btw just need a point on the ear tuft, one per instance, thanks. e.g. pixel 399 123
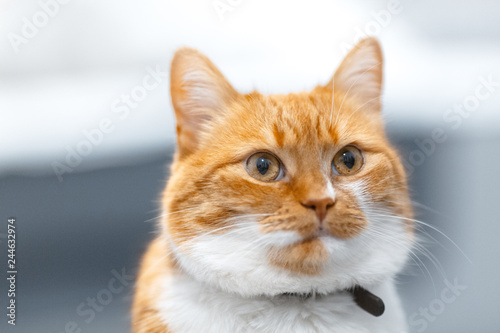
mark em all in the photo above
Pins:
pixel 199 93
pixel 359 76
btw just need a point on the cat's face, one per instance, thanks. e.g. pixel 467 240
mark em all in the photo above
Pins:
pixel 294 193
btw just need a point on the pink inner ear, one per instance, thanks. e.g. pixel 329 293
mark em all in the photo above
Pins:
pixel 199 92
pixel 359 76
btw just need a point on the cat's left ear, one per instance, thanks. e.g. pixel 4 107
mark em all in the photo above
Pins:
pixel 359 76
pixel 199 94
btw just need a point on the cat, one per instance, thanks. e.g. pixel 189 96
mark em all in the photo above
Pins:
pixel 283 213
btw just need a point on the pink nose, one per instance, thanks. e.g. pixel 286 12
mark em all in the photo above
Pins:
pixel 320 206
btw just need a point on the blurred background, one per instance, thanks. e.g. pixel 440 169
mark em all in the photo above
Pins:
pixel 87 133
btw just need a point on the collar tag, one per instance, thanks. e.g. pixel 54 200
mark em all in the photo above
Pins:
pixel 368 301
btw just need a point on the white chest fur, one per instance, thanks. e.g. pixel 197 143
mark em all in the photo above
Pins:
pixel 189 306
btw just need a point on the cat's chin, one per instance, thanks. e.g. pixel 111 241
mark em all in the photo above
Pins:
pixel 276 284
pixel 252 275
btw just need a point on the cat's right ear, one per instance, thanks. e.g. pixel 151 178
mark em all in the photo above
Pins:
pixel 199 93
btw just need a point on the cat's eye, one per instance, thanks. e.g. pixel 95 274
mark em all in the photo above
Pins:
pixel 347 161
pixel 264 166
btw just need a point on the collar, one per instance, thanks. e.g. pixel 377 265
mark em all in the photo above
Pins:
pixel 363 298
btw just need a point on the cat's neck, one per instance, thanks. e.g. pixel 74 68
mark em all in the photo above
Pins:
pixel 184 298
pixel 365 299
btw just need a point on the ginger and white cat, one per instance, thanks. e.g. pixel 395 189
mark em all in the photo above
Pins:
pixel 277 207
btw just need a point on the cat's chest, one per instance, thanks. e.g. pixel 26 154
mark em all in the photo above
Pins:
pixel 187 306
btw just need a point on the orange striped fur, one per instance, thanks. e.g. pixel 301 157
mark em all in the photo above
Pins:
pixel 210 188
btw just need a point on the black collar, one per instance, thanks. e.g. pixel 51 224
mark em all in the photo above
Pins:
pixel 363 298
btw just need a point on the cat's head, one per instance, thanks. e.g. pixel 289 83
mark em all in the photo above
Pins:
pixel 285 193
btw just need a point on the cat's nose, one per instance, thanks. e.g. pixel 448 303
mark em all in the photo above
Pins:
pixel 320 206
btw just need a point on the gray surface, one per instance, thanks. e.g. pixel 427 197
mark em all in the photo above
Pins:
pixel 71 235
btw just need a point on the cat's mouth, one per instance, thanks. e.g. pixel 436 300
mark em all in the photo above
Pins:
pixel 321 232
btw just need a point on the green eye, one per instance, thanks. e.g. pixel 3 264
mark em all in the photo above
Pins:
pixel 263 166
pixel 347 161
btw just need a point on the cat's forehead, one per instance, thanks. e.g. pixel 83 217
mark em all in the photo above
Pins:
pixel 303 119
